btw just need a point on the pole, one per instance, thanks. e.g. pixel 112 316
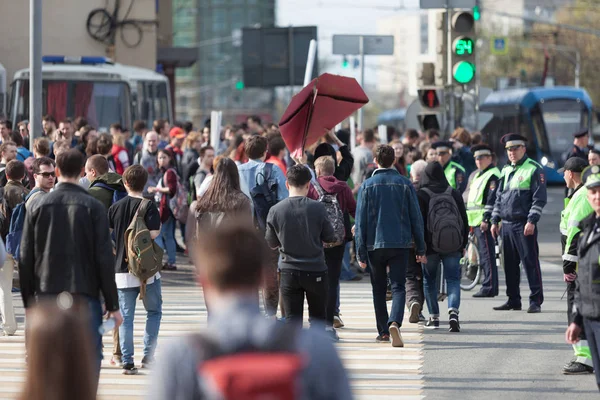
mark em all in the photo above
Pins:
pixel 450 91
pixel 362 78
pixel 352 133
pixel 291 59
pixel 310 61
pixel 477 82
pixel 35 70
pixel 577 67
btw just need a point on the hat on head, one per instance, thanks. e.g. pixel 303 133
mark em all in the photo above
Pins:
pixel 591 176
pixel 513 139
pixel 581 133
pixel 481 150
pixel 177 132
pixel 442 146
pixel 574 164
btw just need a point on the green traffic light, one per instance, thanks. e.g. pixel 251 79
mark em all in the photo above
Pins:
pixel 239 85
pixel 476 13
pixel 463 72
pixel 345 63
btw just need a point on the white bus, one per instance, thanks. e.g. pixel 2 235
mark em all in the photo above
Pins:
pixel 95 88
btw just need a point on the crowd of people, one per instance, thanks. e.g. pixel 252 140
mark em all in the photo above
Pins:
pixel 87 218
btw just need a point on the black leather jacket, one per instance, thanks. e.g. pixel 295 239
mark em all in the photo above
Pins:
pixel 66 246
pixel 587 290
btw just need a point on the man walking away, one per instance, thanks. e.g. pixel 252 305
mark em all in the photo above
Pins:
pixel 106 186
pixel 266 183
pixel 299 226
pixel 120 216
pixel 14 194
pixel 233 257
pixel 388 220
pixel 66 247
pixel 337 195
pixel 363 156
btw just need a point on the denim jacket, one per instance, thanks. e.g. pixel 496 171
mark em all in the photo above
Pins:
pixel 388 214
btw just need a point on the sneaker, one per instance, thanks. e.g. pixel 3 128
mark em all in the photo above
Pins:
pixel 332 334
pixel 385 338
pixel 395 335
pixel 453 321
pixel 422 317
pixel 129 369
pixel 356 278
pixel 116 361
pixel 337 322
pixel 147 362
pixel 169 267
pixel 577 368
pixel 415 310
pixel 433 323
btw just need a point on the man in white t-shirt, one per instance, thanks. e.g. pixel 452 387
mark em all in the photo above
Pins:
pixel 120 216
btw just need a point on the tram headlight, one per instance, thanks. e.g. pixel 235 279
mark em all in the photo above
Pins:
pixel 544 161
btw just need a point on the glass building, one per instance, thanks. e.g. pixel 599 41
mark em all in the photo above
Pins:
pixel 215 82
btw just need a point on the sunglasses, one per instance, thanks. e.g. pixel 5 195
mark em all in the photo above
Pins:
pixel 47 174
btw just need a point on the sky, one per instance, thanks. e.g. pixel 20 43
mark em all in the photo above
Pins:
pixel 341 17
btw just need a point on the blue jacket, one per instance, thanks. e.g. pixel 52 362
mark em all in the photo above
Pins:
pixel 249 171
pixel 521 193
pixel 388 214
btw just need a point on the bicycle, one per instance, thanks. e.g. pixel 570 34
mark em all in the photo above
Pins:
pixel 471 271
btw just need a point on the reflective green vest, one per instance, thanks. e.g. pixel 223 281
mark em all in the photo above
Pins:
pixel 476 202
pixel 450 172
pixel 576 210
pixel 521 179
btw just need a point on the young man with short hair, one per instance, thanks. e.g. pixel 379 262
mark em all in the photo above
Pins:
pixel 103 182
pixel 298 227
pixel 8 152
pixel 66 247
pixel 232 258
pixel 44 176
pixel 120 216
pixel 66 132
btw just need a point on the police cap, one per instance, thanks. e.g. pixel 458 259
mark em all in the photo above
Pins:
pixel 442 146
pixel 574 164
pixel 513 139
pixel 591 176
pixel 581 133
pixel 481 150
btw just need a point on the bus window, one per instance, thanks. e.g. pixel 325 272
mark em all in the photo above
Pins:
pixel 161 103
pixel 101 103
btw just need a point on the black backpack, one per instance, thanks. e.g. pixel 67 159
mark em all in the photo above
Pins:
pixel 264 196
pixel 444 222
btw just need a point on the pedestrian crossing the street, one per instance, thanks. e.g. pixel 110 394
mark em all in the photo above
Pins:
pixel 377 371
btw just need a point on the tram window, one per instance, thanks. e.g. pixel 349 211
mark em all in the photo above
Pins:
pixel 562 118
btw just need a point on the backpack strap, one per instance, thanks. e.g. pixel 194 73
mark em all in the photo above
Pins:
pixel 449 190
pixel 103 186
pixel 142 209
pixel 265 173
pixel 319 188
pixel 428 191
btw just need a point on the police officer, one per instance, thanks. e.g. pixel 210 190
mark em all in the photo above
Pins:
pixel 455 173
pixel 520 198
pixel 577 208
pixel 480 204
pixel 580 146
pixel 587 285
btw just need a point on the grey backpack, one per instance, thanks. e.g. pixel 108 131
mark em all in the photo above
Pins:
pixel 444 222
pixel 334 215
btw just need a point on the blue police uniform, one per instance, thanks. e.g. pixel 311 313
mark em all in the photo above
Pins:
pixel 520 198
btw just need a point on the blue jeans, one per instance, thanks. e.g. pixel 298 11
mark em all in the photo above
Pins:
pixel 166 238
pixel 347 273
pixel 95 315
pixel 153 305
pixel 397 260
pixel 451 274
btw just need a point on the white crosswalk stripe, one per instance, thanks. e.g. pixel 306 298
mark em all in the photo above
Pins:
pixel 377 371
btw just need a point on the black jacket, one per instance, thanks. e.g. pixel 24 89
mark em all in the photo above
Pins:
pixel 342 171
pixel 587 290
pixel 433 178
pixel 189 165
pixel 66 246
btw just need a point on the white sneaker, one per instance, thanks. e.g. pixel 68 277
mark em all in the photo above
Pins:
pixel 337 322
pixel 395 335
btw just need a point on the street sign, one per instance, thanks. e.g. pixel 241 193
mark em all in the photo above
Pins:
pixel 425 4
pixel 499 45
pixel 374 45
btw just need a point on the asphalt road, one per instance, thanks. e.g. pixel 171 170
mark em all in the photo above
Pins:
pixel 509 354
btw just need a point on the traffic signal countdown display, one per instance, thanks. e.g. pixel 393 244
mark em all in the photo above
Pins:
pixel 463 47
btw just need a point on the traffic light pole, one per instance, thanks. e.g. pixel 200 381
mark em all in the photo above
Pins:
pixel 35 70
pixel 449 83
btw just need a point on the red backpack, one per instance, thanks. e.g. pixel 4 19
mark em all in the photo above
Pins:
pixel 272 371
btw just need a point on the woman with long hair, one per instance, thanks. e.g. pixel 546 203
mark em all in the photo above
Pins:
pixel 60 362
pixel 399 163
pixel 224 196
pixel 164 191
